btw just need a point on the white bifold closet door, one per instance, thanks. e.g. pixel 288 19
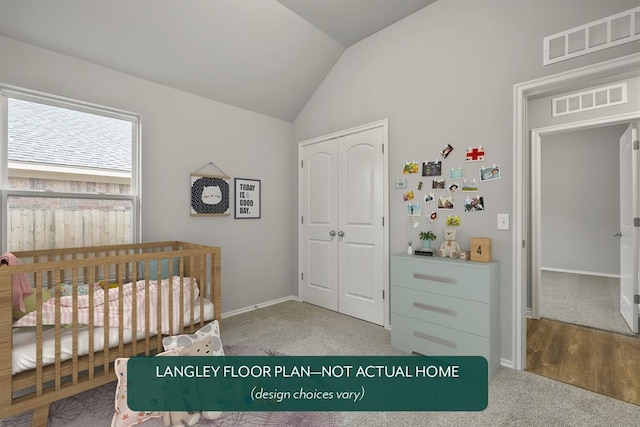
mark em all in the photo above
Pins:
pixel 342 248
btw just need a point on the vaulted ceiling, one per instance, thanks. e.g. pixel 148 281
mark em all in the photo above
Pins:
pixel 267 56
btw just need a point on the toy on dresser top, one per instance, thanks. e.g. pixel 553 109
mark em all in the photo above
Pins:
pixel 449 248
pixel 480 247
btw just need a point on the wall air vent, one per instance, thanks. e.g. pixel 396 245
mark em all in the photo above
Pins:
pixel 589 100
pixel 623 27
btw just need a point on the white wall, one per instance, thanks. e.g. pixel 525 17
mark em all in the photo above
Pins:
pixel 181 133
pixel 580 197
pixel 445 75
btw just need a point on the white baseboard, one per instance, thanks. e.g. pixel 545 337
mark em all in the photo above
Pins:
pixel 588 273
pixel 507 363
pixel 261 305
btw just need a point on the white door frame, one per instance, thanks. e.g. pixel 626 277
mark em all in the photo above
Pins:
pixel 385 125
pixel 626 66
pixel 536 193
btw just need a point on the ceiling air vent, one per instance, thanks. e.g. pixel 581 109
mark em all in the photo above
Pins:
pixel 612 31
pixel 590 99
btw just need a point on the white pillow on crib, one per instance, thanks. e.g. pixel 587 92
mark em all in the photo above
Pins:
pixel 186 340
pixel 124 416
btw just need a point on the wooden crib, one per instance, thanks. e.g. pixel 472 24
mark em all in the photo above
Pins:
pixel 89 349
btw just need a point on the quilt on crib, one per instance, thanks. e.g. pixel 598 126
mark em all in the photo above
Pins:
pixel 171 307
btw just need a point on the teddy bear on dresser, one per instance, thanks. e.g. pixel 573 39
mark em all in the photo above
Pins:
pixel 449 248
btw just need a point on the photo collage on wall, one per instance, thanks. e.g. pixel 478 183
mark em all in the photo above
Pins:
pixel 448 184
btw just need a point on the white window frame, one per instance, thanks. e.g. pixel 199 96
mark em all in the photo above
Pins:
pixel 134 197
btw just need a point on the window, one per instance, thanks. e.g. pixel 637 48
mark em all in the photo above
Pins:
pixel 69 173
pixel 614 30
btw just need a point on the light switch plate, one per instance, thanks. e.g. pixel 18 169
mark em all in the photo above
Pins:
pixel 503 221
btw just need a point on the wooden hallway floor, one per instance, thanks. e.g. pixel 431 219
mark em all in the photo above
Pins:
pixel 604 362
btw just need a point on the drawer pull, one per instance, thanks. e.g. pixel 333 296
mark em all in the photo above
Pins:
pixel 436 340
pixel 434 278
pixel 446 311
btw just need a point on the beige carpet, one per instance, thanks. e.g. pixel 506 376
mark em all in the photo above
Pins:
pixel 582 299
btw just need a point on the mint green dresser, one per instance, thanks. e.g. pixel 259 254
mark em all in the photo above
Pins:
pixel 446 307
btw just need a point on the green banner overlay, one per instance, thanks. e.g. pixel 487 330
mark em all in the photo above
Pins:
pixel 308 383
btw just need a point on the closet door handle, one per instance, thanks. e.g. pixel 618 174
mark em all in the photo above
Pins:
pixel 332 233
pixel 341 233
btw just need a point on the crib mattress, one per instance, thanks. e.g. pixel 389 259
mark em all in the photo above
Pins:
pixel 24 345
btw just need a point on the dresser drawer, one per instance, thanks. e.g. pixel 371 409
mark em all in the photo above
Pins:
pixel 455 313
pixel 463 279
pixel 426 338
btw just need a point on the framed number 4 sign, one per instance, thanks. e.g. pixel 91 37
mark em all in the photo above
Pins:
pixel 247 198
pixel 481 249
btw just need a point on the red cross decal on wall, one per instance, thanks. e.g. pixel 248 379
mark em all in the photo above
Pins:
pixel 474 154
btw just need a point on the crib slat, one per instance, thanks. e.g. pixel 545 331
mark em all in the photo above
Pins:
pixel 121 310
pixel 171 302
pixel 91 280
pixel 181 267
pixel 146 309
pixel 105 293
pixel 74 326
pixel 202 282
pixel 216 267
pixel 134 310
pixel 57 291
pixel 158 304
pixel 192 270
pixel 38 291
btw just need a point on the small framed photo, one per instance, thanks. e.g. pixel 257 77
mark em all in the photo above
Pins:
pixel 475 154
pixel 446 203
pixel 454 188
pixel 470 185
pixel 433 216
pixel 429 198
pixel 432 168
pixel 401 183
pixel 446 151
pixel 414 209
pixel 456 173
pixel 474 204
pixel 489 173
pixel 410 167
pixel 247 198
pixel 438 184
pixel 453 220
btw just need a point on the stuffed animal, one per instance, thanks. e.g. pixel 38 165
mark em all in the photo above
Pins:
pixel 211 415
pixel 177 418
pixel 449 248
pixel 203 347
